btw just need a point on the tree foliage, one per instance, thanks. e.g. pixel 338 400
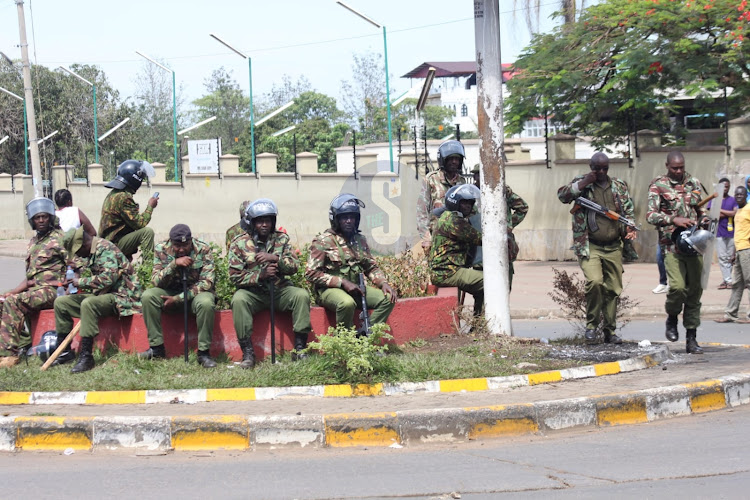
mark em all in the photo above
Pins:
pixel 619 67
pixel 225 101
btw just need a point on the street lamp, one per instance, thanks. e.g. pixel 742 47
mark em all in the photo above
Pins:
pixel 174 109
pixel 274 113
pixel 96 131
pixel 387 85
pixel 207 120
pixel 25 128
pixel 252 114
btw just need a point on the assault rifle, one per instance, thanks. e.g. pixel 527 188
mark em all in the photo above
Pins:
pixel 364 328
pixel 595 208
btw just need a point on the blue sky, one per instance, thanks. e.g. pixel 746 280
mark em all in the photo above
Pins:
pixel 314 38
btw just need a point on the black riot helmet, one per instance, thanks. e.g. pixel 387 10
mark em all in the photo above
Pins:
pixel 130 174
pixel 46 346
pixel 458 193
pixel 344 204
pixel 450 148
pixel 691 240
pixel 39 205
pixel 260 208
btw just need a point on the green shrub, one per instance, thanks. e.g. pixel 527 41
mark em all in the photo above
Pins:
pixel 407 274
pixel 353 358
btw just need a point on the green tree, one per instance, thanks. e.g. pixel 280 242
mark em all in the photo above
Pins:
pixel 618 67
pixel 225 101
pixel 438 120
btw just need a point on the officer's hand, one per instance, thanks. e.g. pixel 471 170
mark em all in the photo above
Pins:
pixel 426 244
pixel 350 288
pixel 152 202
pixel 269 271
pixel 589 178
pixel 183 261
pixel 683 222
pixel 631 234
pixel 265 257
pixel 169 301
pixel 390 292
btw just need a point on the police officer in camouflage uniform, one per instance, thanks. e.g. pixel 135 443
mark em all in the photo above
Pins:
pixel 107 291
pixel 450 159
pixel 239 228
pixel 181 254
pixel 598 243
pixel 258 258
pixel 121 222
pixel 45 268
pixel 672 206
pixel 452 239
pixel 337 256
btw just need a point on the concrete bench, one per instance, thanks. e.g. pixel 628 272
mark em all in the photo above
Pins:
pixel 423 317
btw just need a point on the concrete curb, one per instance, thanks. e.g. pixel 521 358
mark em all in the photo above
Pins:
pixel 333 391
pixel 643 312
pixel 396 429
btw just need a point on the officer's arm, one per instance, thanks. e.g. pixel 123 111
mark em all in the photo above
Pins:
pixel 244 271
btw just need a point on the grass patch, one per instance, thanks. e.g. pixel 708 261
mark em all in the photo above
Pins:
pixel 451 357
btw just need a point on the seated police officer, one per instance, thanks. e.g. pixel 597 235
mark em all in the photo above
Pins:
pixel 337 256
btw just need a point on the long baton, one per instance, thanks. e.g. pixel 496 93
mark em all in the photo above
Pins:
pixel 185 309
pixel 272 290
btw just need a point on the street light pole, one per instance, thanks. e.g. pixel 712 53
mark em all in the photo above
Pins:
pixel 174 110
pixel 252 114
pixel 96 131
pixel 387 84
pixel 25 128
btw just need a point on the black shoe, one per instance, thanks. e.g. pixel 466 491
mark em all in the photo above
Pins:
pixel 691 344
pixel 300 343
pixel 672 333
pixel 248 355
pixel 205 360
pixel 153 352
pixel 590 336
pixel 67 356
pixel 612 338
pixel 85 358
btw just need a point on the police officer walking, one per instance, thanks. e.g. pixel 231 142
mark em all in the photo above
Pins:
pixel 121 222
pixel 258 258
pixel 181 255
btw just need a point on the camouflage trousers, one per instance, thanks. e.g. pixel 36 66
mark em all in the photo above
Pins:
pixel 142 239
pixel 248 301
pixel 87 307
pixel 202 306
pixel 16 310
pixel 343 304
pixel 685 291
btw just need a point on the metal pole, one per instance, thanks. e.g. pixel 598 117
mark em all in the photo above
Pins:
pixel 354 152
pixel 252 114
pixel 491 138
pixel 388 99
pixel 726 124
pixel 96 129
pixel 36 169
pixel 416 155
pixel 174 124
pixel 546 139
pixel 25 139
pixel 294 150
pixel 185 309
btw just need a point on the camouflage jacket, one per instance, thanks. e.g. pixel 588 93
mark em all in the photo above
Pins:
pixel 432 196
pixel 120 215
pixel 111 273
pixel 623 204
pixel 46 259
pixel 232 233
pixel 668 199
pixel 332 258
pixel 517 208
pixel 244 271
pixel 168 275
pixel 452 240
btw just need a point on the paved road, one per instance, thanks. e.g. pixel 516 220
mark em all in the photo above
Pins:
pixel 700 456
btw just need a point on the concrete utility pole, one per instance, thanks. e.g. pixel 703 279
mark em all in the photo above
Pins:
pixel 492 174
pixel 28 94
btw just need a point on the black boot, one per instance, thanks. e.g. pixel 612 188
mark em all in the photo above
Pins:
pixel 691 344
pixel 67 355
pixel 85 357
pixel 153 352
pixel 300 342
pixel 612 338
pixel 248 355
pixel 590 336
pixel 205 360
pixel 672 333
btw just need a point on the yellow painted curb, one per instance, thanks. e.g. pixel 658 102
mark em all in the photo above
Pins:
pixel 708 396
pixel 544 377
pixel 244 394
pixel 464 384
pixel 607 368
pixel 504 427
pixel 354 429
pixel 626 411
pixel 214 432
pixel 54 433
pixel 14 398
pixel 115 397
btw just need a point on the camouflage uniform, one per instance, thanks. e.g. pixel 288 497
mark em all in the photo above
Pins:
pixel 333 258
pixel 109 291
pixel 432 196
pixel 167 280
pixel 123 225
pixel 452 239
pixel 45 266
pixel 253 295
pixel 600 261
pixel 668 199
pixel 232 233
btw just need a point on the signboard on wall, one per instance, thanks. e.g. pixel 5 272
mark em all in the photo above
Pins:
pixel 203 156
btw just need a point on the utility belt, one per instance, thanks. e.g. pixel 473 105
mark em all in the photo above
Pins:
pixel 613 242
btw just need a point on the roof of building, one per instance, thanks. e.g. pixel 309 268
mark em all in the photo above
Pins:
pixel 453 68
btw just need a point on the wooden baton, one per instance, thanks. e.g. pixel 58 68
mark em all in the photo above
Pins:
pixel 61 347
